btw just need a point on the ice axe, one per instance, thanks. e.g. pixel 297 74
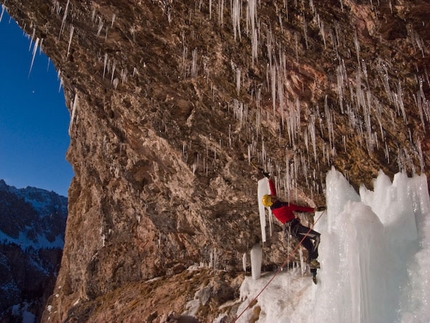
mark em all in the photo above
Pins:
pixel 265 174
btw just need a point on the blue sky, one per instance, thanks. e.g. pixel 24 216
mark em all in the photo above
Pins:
pixel 33 117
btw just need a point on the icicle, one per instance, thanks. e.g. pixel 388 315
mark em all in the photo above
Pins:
pixel 100 27
pixel 135 71
pixel 311 130
pixel 252 17
pixel 61 81
pixel 36 44
pixel 329 120
pixel 194 67
pixel 273 86
pixel 311 4
pixel 425 104
pixel 383 73
pixel 221 12
pixel 213 262
pixel 113 71
pixel 281 82
pixel 106 34
pixel 115 83
pixel 418 102
pixel 305 32
pixel 363 66
pixel 72 117
pixel 306 141
pixel 263 188
pixel 335 45
pixel 184 58
pixel 60 86
pixel 41 47
pixel 103 237
pixel 419 42
pixel 123 75
pixel 420 154
pixel 48 64
pixel 70 39
pixel 64 18
pixel 297 118
pixel 398 99
pixel 322 32
pixel 254 41
pixel 258 120
pixel 229 135
pixel 57 7
pixel 341 78
pixel 368 122
pixel 105 65
pixel 256 261
pixel 357 46
pixel 263 152
pixel 287 175
pixel 244 261
pixel 337 31
pixel 238 75
pixel 235 16
pixel 2 11
pixel 113 20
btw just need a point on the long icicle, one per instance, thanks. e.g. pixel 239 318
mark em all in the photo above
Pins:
pixel 36 45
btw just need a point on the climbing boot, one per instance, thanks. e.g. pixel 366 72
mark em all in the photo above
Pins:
pixel 314 264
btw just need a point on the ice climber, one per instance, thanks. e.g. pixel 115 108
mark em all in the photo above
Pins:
pixel 284 212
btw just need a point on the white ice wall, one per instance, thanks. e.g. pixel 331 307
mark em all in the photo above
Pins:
pixel 374 254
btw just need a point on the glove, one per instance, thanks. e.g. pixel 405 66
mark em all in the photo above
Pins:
pixel 266 174
pixel 321 208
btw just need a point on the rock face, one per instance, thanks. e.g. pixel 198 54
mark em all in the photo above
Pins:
pixel 32 226
pixel 170 100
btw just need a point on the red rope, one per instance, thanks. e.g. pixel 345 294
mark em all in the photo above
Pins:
pixel 277 272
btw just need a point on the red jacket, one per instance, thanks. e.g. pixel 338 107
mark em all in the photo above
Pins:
pixel 283 211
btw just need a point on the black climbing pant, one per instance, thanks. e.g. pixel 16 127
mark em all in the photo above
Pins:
pixel 310 238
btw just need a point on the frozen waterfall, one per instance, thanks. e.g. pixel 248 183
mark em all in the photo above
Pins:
pixel 374 254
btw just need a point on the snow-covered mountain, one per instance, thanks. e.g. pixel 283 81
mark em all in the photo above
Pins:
pixel 32 226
